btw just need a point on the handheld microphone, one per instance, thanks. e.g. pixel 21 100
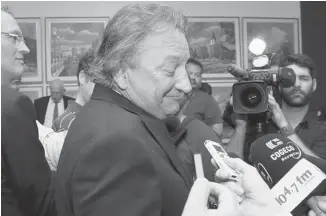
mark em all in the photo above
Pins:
pixel 293 176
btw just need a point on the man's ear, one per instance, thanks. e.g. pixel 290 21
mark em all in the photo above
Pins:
pixel 121 79
pixel 314 84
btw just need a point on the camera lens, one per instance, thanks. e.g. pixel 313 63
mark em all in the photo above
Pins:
pixel 251 96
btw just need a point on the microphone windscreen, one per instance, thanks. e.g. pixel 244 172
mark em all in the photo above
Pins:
pixel 237 71
pixel 274 155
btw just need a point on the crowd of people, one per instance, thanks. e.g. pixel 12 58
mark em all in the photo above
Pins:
pixel 125 144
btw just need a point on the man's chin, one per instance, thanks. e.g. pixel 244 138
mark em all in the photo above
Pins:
pixel 18 71
pixel 171 110
pixel 297 102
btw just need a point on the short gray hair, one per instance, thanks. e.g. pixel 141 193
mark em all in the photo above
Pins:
pixel 125 32
pixel 5 8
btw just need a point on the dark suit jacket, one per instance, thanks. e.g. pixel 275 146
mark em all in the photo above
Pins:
pixel 25 174
pixel 118 160
pixel 41 105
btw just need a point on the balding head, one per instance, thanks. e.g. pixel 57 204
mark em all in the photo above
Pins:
pixel 57 90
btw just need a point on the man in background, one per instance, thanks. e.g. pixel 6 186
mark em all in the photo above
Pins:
pixel 48 108
pixel 53 140
pixel 25 174
pixel 86 87
pixel 202 105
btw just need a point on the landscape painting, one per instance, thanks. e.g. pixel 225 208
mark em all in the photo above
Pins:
pixel 67 39
pixel 215 42
pixel 280 35
pixel 33 60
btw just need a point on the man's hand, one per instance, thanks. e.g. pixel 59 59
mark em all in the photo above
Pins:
pixel 199 195
pixel 321 203
pixel 278 116
pixel 256 198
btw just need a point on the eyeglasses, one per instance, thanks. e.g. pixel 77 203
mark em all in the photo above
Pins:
pixel 19 39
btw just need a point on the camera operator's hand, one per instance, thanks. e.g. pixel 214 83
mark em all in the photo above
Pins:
pixel 321 203
pixel 199 195
pixel 257 198
pixel 278 115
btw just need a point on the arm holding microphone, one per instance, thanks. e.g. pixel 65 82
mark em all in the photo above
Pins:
pixel 285 127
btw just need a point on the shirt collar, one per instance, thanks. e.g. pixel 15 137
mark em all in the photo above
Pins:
pixel 60 102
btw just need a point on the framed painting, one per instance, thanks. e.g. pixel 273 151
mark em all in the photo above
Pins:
pixel 31 29
pixel 71 90
pixel 67 39
pixel 215 42
pixel 281 37
pixel 221 93
pixel 33 92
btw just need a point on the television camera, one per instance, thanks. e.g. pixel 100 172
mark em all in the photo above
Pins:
pixel 250 93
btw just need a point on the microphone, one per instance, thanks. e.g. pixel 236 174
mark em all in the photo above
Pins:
pixel 237 71
pixel 293 176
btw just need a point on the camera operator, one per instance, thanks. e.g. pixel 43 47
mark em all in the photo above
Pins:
pixel 294 118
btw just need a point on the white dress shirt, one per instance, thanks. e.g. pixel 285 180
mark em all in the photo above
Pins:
pixel 52 143
pixel 48 121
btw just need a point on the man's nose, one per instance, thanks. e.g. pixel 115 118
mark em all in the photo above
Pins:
pixel 23 48
pixel 297 83
pixel 183 82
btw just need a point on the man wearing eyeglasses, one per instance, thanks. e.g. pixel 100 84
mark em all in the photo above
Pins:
pixel 25 174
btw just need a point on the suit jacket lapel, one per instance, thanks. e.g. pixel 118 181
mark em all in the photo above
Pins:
pixel 44 108
pixel 65 102
pixel 159 131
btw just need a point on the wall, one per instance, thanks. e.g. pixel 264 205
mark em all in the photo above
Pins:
pixel 314 44
pixel 194 8
pixel 42 9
